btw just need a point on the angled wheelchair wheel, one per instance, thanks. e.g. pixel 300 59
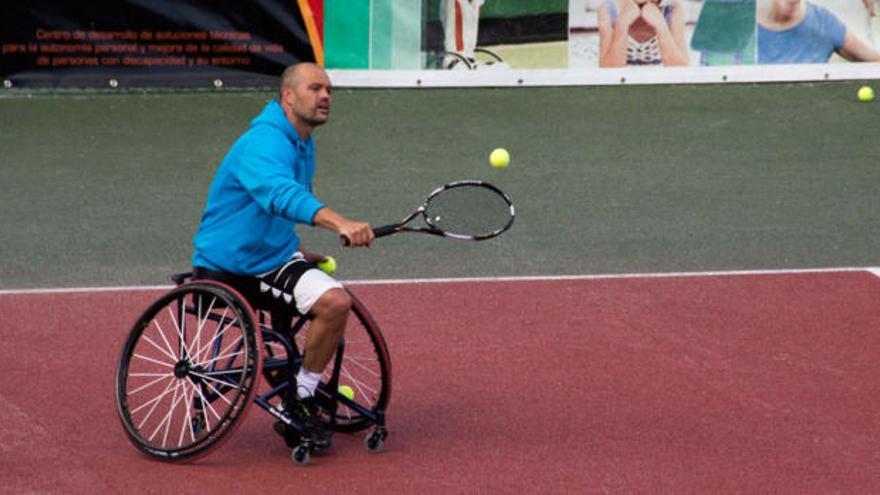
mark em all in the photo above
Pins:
pixel 362 364
pixel 188 371
pixel 356 387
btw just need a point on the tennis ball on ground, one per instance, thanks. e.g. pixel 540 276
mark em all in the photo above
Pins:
pixel 328 266
pixel 866 93
pixel 346 391
pixel 499 158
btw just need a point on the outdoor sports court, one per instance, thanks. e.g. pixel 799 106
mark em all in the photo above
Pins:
pixel 685 303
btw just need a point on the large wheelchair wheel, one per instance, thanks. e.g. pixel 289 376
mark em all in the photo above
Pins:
pixel 356 386
pixel 188 371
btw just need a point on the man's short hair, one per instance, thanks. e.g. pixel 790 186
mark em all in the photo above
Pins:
pixel 288 78
pixel 291 75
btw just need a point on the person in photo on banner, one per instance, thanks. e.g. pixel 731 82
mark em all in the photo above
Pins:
pixel 642 32
pixel 461 24
pixel 247 239
pixel 801 32
pixel 858 15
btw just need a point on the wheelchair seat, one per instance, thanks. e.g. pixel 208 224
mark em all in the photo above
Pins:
pixel 281 314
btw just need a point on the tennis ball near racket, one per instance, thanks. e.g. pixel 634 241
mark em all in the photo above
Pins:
pixel 328 266
pixel 499 158
pixel 866 93
pixel 346 391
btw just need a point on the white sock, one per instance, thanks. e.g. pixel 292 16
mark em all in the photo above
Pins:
pixel 306 383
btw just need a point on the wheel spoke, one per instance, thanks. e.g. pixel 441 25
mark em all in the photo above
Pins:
pixel 362 388
pixel 214 389
pixel 164 339
pixel 154 361
pixel 356 361
pixel 206 364
pixel 202 321
pixel 225 324
pixel 221 357
pixel 155 401
pixel 166 420
pixel 161 376
pixel 180 328
pixel 205 403
pixel 156 346
pixel 187 418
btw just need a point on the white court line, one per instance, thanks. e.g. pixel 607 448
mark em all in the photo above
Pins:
pixel 527 278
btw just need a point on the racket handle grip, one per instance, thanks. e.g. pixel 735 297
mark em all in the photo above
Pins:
pixel 378 232
pixel 384 230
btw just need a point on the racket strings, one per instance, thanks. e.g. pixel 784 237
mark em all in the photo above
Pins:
pixel 473 211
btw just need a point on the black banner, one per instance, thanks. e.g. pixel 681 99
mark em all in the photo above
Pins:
pixel 141 43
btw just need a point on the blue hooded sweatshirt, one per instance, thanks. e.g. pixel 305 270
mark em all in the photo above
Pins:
pixel 262 189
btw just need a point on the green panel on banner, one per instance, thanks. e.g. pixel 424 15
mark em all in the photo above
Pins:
pixel 397 34
pixel 406 35
pixel 507 8
pixel 725 32
pixel 381 47
pixel 377 34
pixel 347 34
pixel 725 26
pixel 517 8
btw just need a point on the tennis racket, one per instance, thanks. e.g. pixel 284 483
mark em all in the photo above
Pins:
pixel 471 210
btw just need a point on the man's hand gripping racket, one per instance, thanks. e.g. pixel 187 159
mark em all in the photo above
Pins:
pixel 470 210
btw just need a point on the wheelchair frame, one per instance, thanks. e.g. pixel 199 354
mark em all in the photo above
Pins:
pixel 209 387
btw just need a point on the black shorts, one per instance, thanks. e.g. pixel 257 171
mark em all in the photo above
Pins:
pixel 292 287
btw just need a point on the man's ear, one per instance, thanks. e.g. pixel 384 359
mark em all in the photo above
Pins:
pixel 287 95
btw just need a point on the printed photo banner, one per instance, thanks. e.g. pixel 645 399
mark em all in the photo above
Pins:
pixel 721 32
pixel 188 43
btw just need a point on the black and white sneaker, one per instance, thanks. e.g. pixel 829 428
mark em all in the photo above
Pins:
pixel 307 414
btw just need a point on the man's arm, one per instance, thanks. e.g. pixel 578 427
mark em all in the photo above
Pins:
pixel 264 171
pixel 358 233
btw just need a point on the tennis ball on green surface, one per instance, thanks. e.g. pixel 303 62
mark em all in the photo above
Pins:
pixel 866 93
pixel 499 158
pixel 346 391
pixel 328 266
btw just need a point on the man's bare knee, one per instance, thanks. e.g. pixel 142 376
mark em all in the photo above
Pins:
pixel 335 303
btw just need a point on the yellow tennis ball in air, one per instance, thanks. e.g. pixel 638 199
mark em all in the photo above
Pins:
pixel 328 266
pixel 499 158
pixel 346 391
pixel 866 93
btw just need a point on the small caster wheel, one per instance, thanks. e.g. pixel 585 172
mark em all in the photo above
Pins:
pixel 300 455
pixel 375 441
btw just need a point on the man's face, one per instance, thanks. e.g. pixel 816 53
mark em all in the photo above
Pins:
pixel 310 96
pixel 787 6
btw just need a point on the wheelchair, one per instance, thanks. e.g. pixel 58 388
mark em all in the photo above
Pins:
pixel 194 360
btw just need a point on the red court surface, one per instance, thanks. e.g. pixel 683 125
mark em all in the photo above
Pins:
pixel 748 383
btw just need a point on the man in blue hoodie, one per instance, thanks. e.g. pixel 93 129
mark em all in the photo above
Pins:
pixel 246 238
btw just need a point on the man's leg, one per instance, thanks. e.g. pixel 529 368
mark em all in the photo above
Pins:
pixel 330 314
pixel 317 294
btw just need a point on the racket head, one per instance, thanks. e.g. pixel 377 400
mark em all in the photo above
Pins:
pixel 468 209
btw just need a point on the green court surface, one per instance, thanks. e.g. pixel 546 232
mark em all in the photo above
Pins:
pixel 107 189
